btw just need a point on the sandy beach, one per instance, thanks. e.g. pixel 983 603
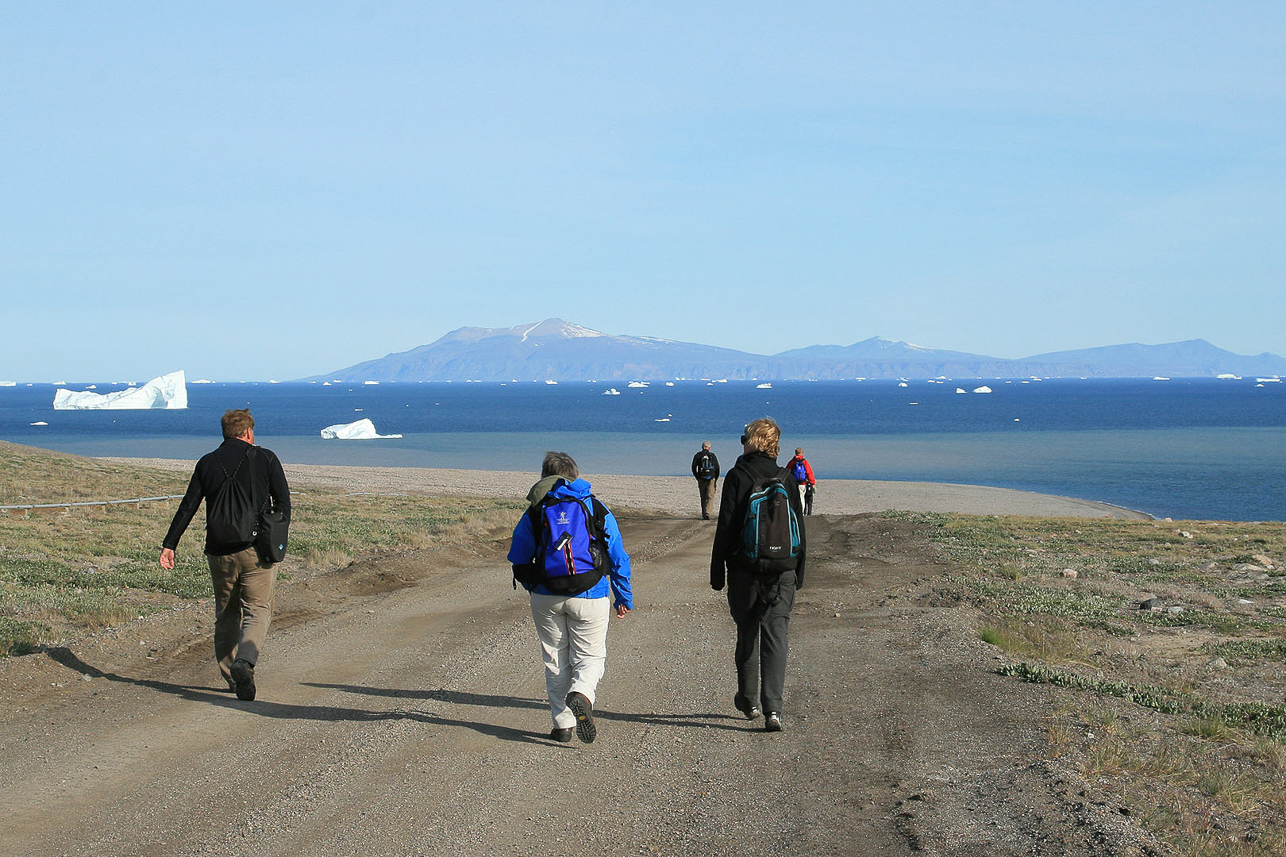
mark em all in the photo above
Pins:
pixel 678 494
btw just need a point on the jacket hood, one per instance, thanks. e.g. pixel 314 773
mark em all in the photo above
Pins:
pixel 557 486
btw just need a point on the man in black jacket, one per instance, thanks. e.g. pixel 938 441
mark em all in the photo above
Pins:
pixel 244 584
pixel 705 467
pixel 760 602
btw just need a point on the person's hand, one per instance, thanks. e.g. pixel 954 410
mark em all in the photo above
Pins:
pixel 167 559
pixel 621 611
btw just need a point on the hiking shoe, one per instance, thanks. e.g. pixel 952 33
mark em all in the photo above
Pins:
pixel 750 710
pixel 772 723
pixel 243 677
pixel 562 736
pixel 580 706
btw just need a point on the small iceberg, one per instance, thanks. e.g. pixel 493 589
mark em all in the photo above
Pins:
pixel 371 383
pixel 764 387
pixel 669 383
pixel 8 383
pixel 611 391
pixel 983 389
pixel 1273 380
pixel 1160 378
pixel 40 423
pixel 961 390
pixel 363 429
pixel 168 392
pixel 902 383
pixel 551 382
pixel 637 385
pixel 662 420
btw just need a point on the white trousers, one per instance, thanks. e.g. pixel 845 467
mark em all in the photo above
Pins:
pixel 573 645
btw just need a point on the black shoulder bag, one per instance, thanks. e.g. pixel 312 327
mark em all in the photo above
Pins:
pixel 273 530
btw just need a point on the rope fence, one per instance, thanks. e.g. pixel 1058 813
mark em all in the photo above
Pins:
pixel 32 507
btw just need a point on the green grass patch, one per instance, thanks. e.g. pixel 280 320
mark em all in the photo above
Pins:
pixel 64 572
pixel 1258 717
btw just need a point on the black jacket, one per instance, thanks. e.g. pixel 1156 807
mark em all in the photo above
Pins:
pixel 714 459
pixel 208 477
pixel 725 556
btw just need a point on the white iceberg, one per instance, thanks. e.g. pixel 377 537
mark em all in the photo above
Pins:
pixel 983 389
pixel 8 383
pixel 637 385
pixel 363 429
pixel 764 387
pixel 960 389
pixel 611 391
pixel 168 392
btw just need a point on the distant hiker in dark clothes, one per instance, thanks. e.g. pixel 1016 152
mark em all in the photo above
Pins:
pixel 803 473
pixel 554 538
pixel 705 467
pixel 759 597
pixel 244 584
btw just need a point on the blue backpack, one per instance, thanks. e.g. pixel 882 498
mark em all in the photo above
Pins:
pixel 801 472
pixel 770 531
pixel 571 545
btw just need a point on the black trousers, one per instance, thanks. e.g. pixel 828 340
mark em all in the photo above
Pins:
pixel 761 608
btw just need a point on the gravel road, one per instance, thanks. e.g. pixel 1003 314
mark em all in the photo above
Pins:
pixel 401 712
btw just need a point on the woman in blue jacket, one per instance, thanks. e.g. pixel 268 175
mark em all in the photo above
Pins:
pixel 572 628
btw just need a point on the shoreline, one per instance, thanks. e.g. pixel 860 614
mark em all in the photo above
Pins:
pixel 678 495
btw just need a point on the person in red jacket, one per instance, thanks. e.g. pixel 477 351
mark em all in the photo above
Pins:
pixel 803 473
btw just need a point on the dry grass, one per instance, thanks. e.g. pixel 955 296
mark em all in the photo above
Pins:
pixel 64 572
pixel 1177 715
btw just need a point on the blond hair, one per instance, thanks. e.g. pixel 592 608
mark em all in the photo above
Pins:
pixel 763 435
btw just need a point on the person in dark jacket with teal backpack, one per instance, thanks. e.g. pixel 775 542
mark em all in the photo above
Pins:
pixel 759 550
pixel 567 553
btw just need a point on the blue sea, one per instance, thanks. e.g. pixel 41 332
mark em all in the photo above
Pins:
pixel 1180 448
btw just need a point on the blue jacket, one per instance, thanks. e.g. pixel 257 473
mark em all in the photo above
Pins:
pixel 616 582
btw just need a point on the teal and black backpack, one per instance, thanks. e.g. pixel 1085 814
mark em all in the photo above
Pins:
pixel 770 531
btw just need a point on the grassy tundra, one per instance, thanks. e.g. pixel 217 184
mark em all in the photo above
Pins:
pixel 66 571
pixel 1165 644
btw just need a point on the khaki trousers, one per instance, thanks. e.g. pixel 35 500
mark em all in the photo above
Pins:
pixel 244 589
pixel 706 487
pixel 573 645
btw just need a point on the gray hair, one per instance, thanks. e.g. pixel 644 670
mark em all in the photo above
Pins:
pixel 559 464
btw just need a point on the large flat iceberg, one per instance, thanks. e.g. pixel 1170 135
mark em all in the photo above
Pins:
pixel 168 392
pixel 363 429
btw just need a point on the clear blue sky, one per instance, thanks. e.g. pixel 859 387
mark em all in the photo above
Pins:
pixel 272 190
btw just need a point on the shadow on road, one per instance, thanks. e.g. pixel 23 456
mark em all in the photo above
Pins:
pixel 487 700
pixel 287 711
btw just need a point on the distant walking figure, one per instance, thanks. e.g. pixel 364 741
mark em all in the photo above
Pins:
pixel 567 552
pixel 803 473
pixel 244 583
pixel 705 467
pixel 760 514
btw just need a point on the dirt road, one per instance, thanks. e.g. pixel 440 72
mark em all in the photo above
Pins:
pixel 401 711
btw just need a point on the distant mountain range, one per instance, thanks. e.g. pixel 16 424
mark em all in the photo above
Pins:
pixel 555 350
